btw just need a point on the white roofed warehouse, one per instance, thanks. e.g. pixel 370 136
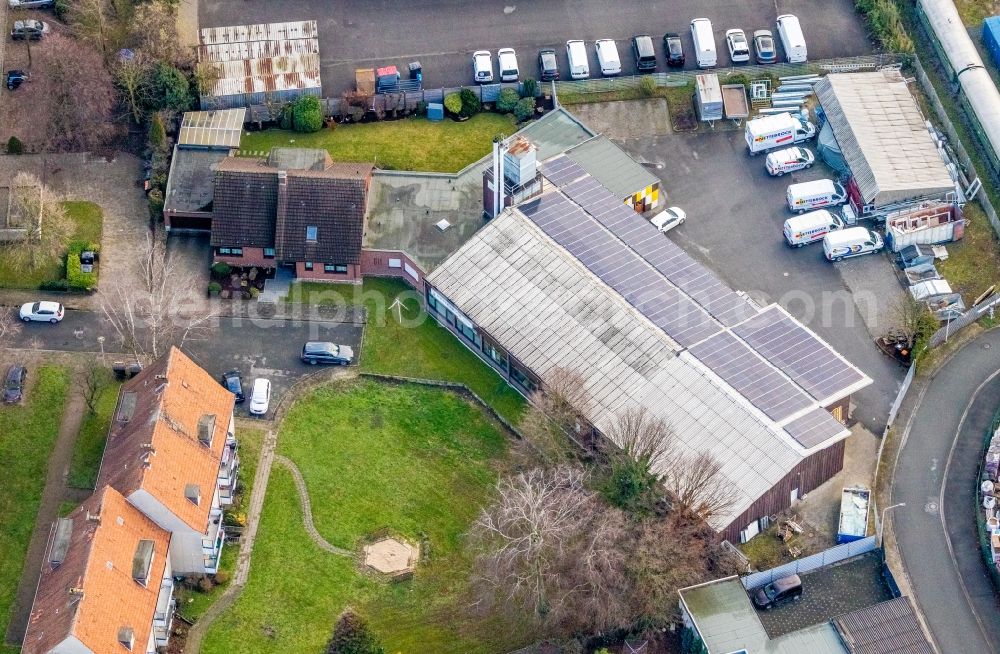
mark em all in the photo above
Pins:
pixel 884 141
pixel 573 279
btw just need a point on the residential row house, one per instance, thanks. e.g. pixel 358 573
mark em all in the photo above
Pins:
pixel 169 469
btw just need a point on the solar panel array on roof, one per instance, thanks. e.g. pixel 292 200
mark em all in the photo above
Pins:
pixel 814 428
pixel 799 353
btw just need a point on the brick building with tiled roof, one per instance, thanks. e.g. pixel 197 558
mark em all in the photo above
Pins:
pixel 106 583
pixel 296 208
pixel 172 452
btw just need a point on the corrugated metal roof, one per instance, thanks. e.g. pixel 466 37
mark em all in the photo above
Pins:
pixel 265 83
pixel 883 137
pixel 887 628
pixel 212 129
pixel 257 50
pixel 302 29
pixel 612 167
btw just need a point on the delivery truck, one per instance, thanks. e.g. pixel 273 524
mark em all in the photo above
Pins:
pixel 777 131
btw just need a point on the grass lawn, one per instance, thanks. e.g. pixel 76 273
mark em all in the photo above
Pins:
pixel 416 461
pixel 192 604
pixel 427 350
pixel 89 447
pixel 973 263
pixel 974 11
pixel 87 220
pixel 407 144
pixel 27 435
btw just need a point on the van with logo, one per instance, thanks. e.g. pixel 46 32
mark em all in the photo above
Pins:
pixel 851 242
pixel 776 131
pixel 817 194
pixel 704 43
pixel 579 67
pixel 810 227
pixel 788 160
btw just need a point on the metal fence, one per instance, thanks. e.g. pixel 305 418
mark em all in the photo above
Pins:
pixel 810 563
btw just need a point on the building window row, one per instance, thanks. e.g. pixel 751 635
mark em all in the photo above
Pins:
pixel 335 268
pixel 232 252
pixel 268 253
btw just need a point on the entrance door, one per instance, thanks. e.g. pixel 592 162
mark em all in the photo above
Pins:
pixel 795 495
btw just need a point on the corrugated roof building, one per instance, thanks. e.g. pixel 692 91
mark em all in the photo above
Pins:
pixel 887 628
pixel 884 139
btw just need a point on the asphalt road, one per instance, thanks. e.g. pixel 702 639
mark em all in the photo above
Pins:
pixel 935 476
pixel 256 347
pixel 735 216
pixel 443 34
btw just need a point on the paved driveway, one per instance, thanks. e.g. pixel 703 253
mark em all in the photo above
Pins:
pixel 442 34
pixel 735 217
pixel 935 476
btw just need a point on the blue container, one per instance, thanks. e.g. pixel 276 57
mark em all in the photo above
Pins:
pixel 435 111
pixel 991 38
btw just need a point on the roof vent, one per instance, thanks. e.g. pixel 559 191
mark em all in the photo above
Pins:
pixel 193 493
pixel 127 407
pixel 60 541
pixel 77 591
pixel 126 636
pixel 206 429
pixel 142 561
pixel 442 225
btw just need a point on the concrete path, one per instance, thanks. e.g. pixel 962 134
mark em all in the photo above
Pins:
pixel 200 628
pixel 55 493
pixel 307 519
pixel 945 421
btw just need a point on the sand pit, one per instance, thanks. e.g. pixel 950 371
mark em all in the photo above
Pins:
pixel 391 556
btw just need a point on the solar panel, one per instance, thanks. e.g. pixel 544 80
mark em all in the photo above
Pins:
pixel 765 388
pixel 798 353
pixel 562 170
pixel 814 428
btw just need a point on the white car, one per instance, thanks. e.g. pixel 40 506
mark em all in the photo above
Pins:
pixel 668 219
pixel 42 312
pixel 30 4
pixel 607 57
pixel 482 66
pixel 260 398
pixel 507 59
pixel 739 48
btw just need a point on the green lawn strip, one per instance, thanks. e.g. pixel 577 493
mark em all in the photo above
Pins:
pixel 87 220
pixel 89 447
pixel 974 12
pixel 407 144
pixel 192 604
pixel 416 461
pixel 973 263
pixel 65 508
pixel 27 435
pixel 417 348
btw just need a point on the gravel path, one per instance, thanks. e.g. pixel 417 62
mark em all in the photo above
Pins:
pixel 307 518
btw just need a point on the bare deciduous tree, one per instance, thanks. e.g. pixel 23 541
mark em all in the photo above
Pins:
pixel 644 438
pixel 10 327
pixel 47 227
pixel 912 319
pixel 696 485
pixel 153 30
pixel 95 380
pixel 556 410
pixel 551 549
pixel 132 79
pixel 150 316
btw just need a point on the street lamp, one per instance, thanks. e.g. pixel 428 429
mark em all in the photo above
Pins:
pixel 881 523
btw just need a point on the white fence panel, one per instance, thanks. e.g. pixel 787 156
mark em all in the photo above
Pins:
pixel 810 563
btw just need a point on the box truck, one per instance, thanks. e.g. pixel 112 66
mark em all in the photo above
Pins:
pixel 777 131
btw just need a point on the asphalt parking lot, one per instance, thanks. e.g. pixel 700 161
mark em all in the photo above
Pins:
pixel 736 212
pixel 443 34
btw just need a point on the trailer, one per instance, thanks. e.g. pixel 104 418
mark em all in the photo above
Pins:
pixel 853 523
pixel 926 224
pixel 708 97
pixel 734 102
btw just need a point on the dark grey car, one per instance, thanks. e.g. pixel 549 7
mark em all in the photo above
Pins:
pixel 315 352
pixel 13 385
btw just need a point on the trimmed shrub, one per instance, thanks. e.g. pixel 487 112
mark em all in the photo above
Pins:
pixel 507 101
pixel 221 268
pixel 524 109
pixel 647 85
pixel 221 577
pixel 470 103
pixel 453 103
pixel 214 288
pixel 54 285
pixel 352 636
pixel 307 114
pixel 529 88
pixel 157 133
pixel 15 146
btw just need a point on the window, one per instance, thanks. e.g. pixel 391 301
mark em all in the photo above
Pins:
pixel 521 377
pixel 268 253
pixel 308 265
pixel 312 233
pixel 233 252
pixel 432 301
pixel 335 268
pixel 467 331
pixel 495 352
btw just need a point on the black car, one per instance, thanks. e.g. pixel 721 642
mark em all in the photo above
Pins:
pixel 15 78
pixel 673 49
pixel 13 385
pixel 779 591
pixel 315 352
pixel 645 55
pixel 233 381
pixel 548 67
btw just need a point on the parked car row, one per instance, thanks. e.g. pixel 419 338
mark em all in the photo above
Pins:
pixel 765 52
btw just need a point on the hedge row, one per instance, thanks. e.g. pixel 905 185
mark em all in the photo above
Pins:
pixel 77 280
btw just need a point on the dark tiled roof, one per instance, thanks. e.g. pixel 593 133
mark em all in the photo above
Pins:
pixel 335 206
pixel 246 193
pixel 886 628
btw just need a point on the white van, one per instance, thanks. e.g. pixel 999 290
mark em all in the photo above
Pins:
pixel 704 42
pixel 607 57
pixel 816 194
pixel 777 131
pixel 791 38
pixel 788 160
pixel 507 59
pixel 810 227
pixel 576 52
pixel 851 242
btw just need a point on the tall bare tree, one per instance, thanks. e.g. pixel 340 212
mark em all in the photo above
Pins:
pixel 551 549
pixel 697 486
pixel 10 327
pixel 41 215
pixel 154 314
pixel 556 410
pixel 132 79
